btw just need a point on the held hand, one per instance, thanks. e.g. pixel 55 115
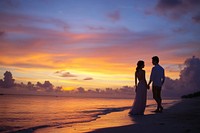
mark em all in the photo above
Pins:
pixel 148 87
pixel 162 84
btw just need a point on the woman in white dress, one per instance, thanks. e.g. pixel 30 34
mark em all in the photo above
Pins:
pixel 139 104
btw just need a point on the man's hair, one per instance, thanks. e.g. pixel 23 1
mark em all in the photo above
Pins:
pixel 155 58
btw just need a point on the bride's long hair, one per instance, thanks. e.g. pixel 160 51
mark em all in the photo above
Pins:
pixel 140 64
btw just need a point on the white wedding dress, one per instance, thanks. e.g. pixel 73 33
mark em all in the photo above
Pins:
pixel 139 103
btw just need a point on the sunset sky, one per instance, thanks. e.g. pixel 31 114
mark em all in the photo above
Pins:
pixel 95 43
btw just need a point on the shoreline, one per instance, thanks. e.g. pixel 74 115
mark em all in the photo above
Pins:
pixel 183 117
pixel 110 120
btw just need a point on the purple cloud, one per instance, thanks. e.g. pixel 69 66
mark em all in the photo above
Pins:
pixel 180 30
pixel 96 28
pixel 59 72
pixel 188 81
pixel 21 19
pixel 196 19
pixel 114 16
pixel 10 3
pixel 176 9
pixel 62 73
pixel 2 33
pixel 88 78
pixel 167 4
pixel 67 74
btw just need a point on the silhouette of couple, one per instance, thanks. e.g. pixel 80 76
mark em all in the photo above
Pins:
pixel 157 79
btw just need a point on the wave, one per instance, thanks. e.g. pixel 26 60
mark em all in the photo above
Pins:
pixel 104 111
pixel 92 116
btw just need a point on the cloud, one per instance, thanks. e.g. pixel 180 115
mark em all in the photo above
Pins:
pixel 176 9
pixel 167 4
pixel 110 51
pixel 27 34
pixel 22 20
pixel 62 73
pixel 180 30
pixel 44 40
pixel 67 74
pixel 10 3
pixel 188 82
pixel 196 18
pixel 88 78
pixel 32 60
pixel 114 16
pixel 96 28
pixel 190 74
pixel 2 33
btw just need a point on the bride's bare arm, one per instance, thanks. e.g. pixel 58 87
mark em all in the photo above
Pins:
pixel 135 81
pixel 145 80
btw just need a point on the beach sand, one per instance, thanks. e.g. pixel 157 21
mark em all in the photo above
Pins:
pixel 182 117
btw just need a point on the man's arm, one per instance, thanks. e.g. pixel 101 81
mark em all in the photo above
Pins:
pixel 163 78
pixel 151 77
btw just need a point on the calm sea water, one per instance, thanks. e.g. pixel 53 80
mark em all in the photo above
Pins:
pixel 20 112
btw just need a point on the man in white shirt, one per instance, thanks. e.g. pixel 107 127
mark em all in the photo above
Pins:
pixel 157 78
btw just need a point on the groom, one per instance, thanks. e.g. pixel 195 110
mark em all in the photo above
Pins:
pixel 157 78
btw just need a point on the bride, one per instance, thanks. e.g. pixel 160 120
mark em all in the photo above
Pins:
pixel 139 104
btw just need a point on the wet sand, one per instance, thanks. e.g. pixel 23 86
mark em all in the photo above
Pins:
pixel 183 117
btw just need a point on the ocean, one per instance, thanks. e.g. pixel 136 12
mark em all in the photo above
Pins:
pixel 23 112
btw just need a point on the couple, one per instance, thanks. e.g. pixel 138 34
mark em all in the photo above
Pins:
pixel 157 79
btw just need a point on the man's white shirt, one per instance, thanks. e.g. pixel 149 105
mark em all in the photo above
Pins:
pixel 157 75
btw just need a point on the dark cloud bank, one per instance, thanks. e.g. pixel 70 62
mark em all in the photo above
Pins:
pixel 187 83
pixel 177 9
